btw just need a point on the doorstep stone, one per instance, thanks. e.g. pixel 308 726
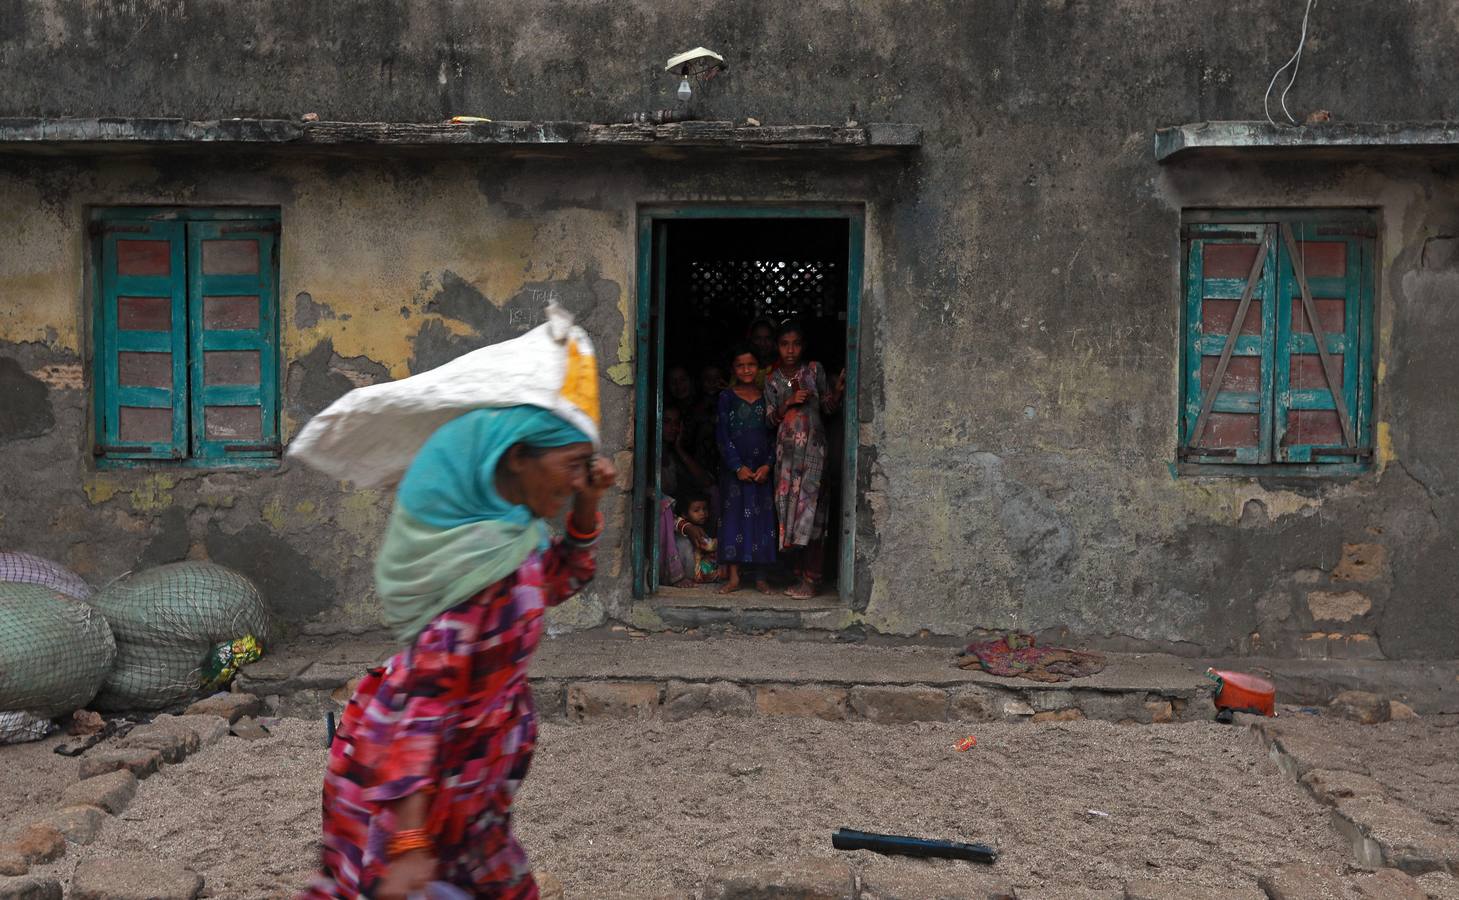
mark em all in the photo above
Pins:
pixel 1361 706
pixel 112 792
pixel 592 700
pixel 33 887
pixel 134 879
pixel 683 699
pixel 547 699
pixel 802 879
pixel 895 705
pixel 975 704
pixel 805 701
pixel 79 824
pixel 139 761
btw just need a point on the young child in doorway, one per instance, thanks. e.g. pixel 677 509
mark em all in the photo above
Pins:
pixel 692 527
pixel 747 518
pixel 797 394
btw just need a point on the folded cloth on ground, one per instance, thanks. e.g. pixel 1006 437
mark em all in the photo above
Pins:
pixel 1016 656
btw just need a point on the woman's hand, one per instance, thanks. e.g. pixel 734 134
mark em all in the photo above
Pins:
pixel 762 474
pixel 406 875
pixel 601 476
pixel 745 474
pixel 841 383
pixel 800 396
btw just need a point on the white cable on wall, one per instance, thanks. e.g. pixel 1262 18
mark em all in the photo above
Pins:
pixel 1295 63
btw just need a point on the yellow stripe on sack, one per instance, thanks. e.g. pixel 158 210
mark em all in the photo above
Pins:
pixel 580 386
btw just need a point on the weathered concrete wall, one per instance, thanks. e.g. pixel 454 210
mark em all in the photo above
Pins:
pixel 1018 412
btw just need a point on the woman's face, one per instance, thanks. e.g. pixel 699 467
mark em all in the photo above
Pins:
pixel 673 425
pixel 791 348
pixel 550 478
pixel 711 380
pixel 745 367
pixel 681 386
pixel 762 338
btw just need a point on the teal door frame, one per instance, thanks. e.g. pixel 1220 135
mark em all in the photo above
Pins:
pixel 649 366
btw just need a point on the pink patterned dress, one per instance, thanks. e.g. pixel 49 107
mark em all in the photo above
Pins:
pixel 452 716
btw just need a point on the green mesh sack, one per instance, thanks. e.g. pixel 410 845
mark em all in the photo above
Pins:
pixel 168 622
pixel 55 651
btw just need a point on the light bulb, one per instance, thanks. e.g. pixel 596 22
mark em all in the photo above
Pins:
pixel 684 90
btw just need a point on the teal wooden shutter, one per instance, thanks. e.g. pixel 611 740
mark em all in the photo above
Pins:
pixel 141 341
pixel 233 316
pixel 1220 263
pixel 1314 422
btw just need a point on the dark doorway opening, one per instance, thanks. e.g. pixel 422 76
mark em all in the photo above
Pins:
pixel 713 278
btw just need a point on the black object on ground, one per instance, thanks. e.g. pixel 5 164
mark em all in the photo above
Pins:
pixel 329 729
pixel 846 839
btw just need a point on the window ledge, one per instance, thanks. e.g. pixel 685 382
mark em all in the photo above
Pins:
pixel 1344 139
pixel 1292 472
pixel 66 135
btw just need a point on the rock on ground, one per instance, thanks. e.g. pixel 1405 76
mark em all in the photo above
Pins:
pixel 134 879
pixel 12 862
pixel 1300 881
pixel 34 887
pixel 230 706
pixel 111 792
pixel 139 762
pixel 40 843
pixel 80 824
pixel 801 879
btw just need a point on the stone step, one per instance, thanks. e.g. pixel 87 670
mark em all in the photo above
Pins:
pixel 314 675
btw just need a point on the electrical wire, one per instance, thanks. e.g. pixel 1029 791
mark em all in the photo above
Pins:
pixel 1296 63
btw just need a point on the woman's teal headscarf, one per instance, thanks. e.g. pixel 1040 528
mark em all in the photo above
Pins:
pixel 451 534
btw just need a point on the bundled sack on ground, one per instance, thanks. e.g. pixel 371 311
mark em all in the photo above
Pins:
pixel 180 629
pixel 55 652
pixel 26 568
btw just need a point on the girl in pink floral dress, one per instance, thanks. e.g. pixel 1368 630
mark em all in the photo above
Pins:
pixel 797 396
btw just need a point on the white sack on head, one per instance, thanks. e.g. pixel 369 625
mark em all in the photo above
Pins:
pixel 370 435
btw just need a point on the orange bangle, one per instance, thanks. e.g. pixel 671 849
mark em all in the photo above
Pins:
pixel 406 840
pixel 576 535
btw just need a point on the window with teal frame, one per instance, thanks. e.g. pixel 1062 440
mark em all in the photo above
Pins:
pixel 1277 369
pixel 186 336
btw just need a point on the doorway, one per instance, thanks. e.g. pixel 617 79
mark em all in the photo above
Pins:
pixel 707 274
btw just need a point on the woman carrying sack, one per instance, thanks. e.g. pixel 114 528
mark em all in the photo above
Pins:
pixel 432 747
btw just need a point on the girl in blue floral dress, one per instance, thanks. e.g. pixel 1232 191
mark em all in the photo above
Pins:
pixel 747 532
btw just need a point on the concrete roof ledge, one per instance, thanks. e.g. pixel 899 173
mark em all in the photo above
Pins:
pixel 54 135
pixel 1225 138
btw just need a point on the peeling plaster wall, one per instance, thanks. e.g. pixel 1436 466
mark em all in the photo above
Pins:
pixel 1021 307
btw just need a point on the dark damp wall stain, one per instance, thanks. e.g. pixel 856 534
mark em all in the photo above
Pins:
pixel 25 403
pixel 321 376
pixel 592 300
pixel 286 577
pixel 170 543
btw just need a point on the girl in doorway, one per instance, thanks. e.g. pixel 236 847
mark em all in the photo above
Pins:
pixel 747 523
pixel 797 394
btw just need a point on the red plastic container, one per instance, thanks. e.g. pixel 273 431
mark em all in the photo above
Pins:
pixel 1240 692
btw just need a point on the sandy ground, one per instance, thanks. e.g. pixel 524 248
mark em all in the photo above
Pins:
pixel 643 809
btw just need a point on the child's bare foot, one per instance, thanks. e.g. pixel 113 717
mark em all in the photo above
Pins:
pixel 804 590
pixel 763 586
pixel 730 585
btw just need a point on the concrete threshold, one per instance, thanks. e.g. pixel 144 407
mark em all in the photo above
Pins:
pixel 585 676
